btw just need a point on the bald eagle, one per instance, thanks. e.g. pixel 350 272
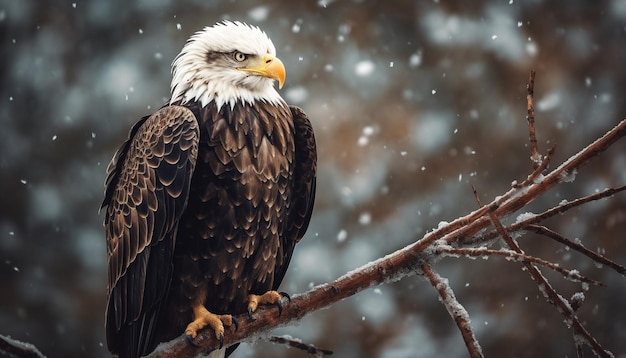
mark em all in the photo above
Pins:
pixel 208 196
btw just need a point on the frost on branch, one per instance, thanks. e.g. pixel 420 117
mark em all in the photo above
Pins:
pixel 10 347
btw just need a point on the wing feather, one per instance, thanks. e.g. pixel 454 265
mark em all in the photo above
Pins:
pixel 303 192
pixel 147 188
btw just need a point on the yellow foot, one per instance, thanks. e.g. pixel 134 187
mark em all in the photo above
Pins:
pixel 268 298
pixel 202 318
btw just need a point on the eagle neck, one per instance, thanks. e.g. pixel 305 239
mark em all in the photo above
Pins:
pixel 215 91
pixel 245 125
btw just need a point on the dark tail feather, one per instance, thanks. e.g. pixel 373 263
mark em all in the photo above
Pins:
pixel 133 340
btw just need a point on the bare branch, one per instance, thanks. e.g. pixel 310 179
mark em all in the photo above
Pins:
pixel 302 346
pixel 542 230
pixel 389 268
pixel 539 168
pixel 532 137
pixel 14 348
pixel 551 295
pixel 455 309
pixel 572 275
pixel 559 209
pixel 518 197
pixel 528 224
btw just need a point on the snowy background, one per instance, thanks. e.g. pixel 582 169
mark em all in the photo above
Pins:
pixel 412 102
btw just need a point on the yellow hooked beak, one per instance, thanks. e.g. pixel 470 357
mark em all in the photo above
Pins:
pixel 267 66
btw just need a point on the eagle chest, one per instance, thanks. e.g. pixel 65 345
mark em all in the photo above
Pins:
pixel 250 148
pixel 241 188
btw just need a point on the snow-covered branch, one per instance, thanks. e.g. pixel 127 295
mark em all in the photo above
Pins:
pixel 455 309
pixel 10 347
pixel 467 236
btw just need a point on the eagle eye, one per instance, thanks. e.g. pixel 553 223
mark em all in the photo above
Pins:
pixel 240 56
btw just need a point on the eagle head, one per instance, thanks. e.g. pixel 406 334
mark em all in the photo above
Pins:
pixel 227 62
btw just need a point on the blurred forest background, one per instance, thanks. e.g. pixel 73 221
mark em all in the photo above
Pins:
pixel 412 102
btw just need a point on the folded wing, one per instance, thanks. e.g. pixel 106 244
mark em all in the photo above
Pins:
pixel 147 189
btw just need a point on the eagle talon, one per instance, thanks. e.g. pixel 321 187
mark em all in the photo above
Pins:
pixel 191 341
pixel 235 323
pixel 268 298
pixel 250 318
pixel 286 295
pixel 204 318
pixel 280 307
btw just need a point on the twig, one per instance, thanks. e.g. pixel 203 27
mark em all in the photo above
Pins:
pixel 455 309
pixel 542 230
pixel 551 295
pixel 299 345
pixel 559 209
pixel 534 152
pixel 563 207
pixel 519 257
pixel 14 348
pixel 539 168
pixel 529 224
pixel 518 197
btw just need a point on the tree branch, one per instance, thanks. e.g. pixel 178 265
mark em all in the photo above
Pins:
pixel 455 309
pixel 535 158
pixel 542 230
pixel 550 293
pixel 417 258
pixel 13 348
pixel 572 275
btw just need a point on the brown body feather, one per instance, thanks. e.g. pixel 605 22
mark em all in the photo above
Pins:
pixel 204 205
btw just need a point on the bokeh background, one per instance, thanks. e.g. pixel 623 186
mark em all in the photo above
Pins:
pixel 411 101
